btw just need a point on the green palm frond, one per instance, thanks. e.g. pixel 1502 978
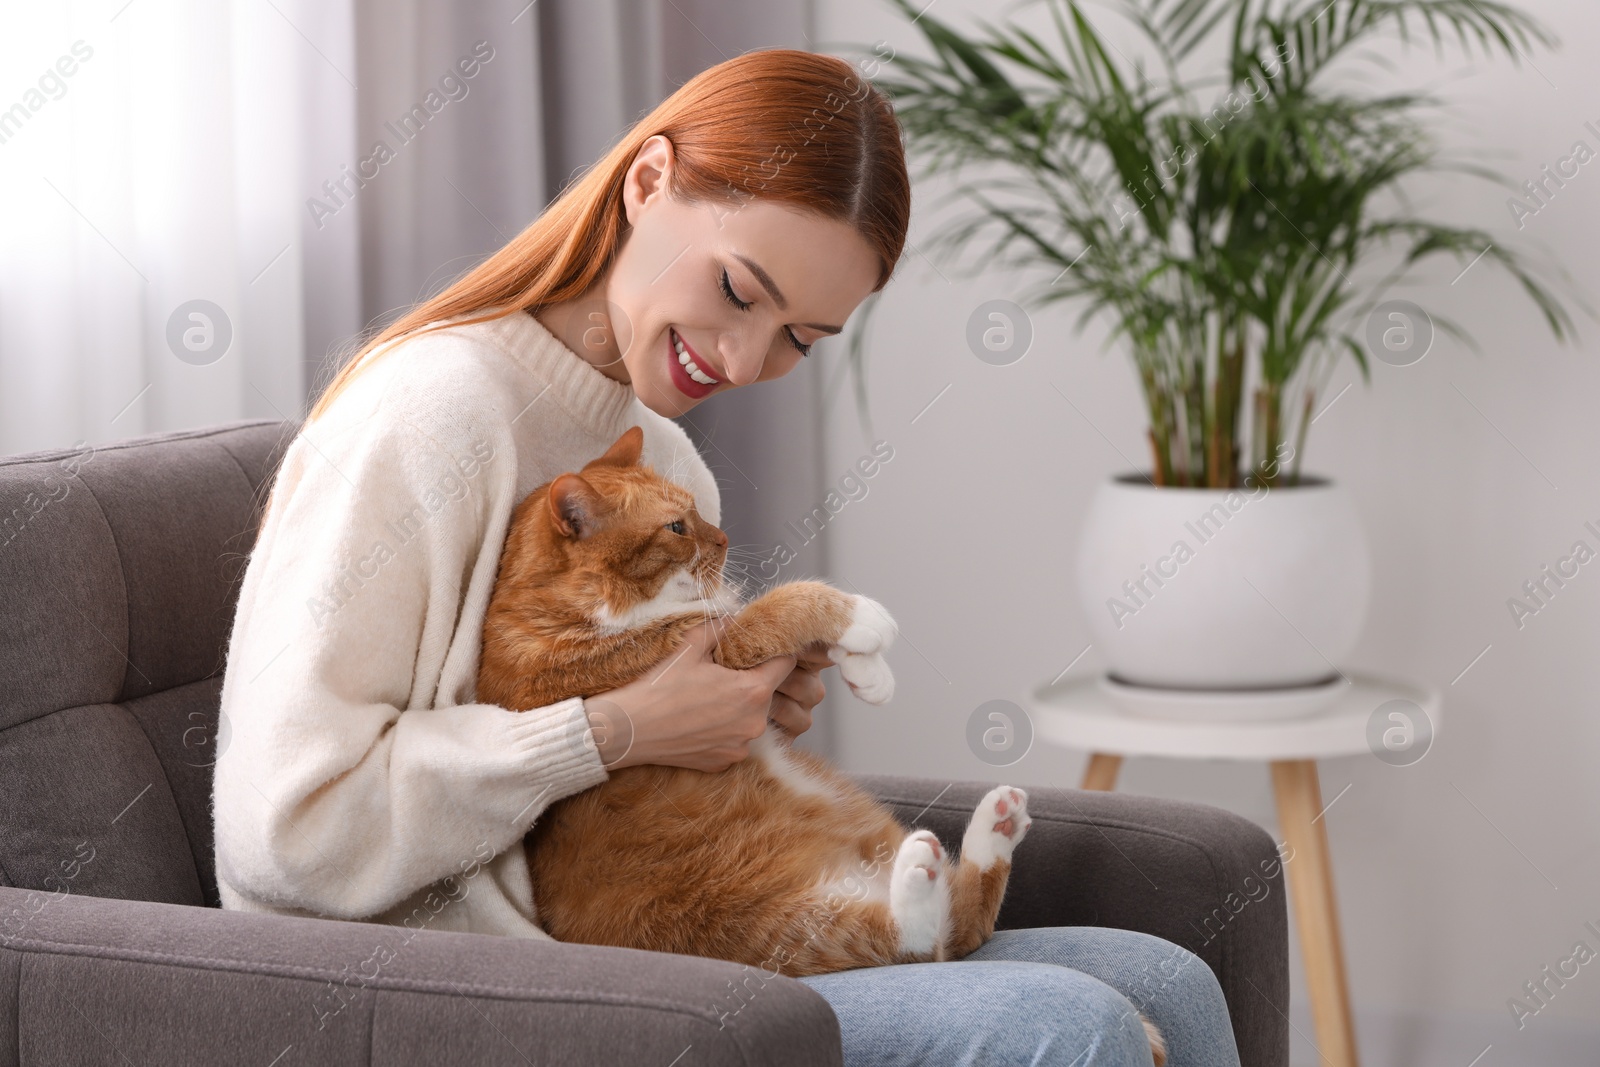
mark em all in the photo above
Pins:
pixel 1214 220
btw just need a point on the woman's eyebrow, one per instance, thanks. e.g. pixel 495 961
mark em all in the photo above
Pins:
pixel 777 294
pixel 766 281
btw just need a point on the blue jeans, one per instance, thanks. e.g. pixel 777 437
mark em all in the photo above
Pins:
pixel 1059 996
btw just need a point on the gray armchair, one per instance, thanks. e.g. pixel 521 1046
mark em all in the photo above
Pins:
pixel 118 572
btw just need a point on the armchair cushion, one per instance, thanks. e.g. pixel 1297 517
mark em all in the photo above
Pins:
pixel 118 570
pixel 111 982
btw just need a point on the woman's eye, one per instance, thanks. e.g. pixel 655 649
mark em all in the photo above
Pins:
pixel 677 526
pixel 744 305
pixel 727 291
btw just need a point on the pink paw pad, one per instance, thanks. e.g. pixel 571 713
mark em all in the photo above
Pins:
pixel 998 826
pixel 938 855
pixel 1007 826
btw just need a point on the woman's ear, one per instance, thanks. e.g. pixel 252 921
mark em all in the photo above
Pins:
pixel 649 176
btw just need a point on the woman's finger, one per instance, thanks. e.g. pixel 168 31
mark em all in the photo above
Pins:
pixel 815 656
pixel 790 716
pixel 803 687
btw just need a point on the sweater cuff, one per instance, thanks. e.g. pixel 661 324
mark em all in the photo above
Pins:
pixel 560 754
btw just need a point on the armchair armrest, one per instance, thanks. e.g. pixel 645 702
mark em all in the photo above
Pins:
pixel 100 981
pixel 1196 875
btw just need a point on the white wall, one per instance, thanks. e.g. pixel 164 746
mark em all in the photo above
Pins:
pixel 969 536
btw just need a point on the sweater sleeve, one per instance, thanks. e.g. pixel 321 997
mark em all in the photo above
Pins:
pixel 342 789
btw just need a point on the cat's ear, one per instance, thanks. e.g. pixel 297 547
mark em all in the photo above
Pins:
pixel 624 451
pixel 575 506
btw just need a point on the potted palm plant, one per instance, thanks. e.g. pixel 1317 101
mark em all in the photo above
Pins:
pixel 1235 224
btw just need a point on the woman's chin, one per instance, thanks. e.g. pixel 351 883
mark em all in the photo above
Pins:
pixel 664 398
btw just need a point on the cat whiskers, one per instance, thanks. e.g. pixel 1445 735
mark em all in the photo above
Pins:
pixel 751 554
pixel 737 575
pixel 743 561
pixel 707 591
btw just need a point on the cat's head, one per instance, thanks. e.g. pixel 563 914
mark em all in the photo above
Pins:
pixel 619 540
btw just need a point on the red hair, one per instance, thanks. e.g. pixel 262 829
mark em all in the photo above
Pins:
pixel 782 125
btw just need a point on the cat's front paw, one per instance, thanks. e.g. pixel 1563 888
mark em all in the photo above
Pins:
pixel 998 826
pixel 859 651
pixel 871 629
pixel 868 676
pixel 919 894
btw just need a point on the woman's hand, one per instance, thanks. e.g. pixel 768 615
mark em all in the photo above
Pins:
pixel 799 694
pixel 688 710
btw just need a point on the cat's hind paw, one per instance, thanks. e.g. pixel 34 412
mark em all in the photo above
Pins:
pixel 919 893
pixel 998 826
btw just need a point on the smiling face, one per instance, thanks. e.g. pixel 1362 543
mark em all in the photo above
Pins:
pixel 705 297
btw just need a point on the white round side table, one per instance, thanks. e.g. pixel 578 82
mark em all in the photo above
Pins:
pixel 1083 715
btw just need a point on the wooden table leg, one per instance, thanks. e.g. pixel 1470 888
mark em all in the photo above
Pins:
pixel 1101 773
pixel 1311 885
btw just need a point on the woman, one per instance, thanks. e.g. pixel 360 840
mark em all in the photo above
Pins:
pixel 730 229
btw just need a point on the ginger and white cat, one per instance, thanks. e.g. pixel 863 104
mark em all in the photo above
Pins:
pixel 779 861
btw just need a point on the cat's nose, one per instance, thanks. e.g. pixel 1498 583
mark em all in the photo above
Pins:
pixel 720 537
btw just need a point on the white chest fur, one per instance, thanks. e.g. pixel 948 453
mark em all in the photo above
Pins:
pixel 679 594
pixel 774 755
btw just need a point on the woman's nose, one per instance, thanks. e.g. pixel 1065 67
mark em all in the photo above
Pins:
pixel 742 358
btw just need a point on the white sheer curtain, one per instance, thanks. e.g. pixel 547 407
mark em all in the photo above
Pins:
pixel 152 157
pixel 155 153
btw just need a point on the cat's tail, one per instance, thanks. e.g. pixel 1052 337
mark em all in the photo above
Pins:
pixel 1158 1044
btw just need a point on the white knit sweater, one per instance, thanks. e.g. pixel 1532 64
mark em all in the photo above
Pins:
pixel 358 779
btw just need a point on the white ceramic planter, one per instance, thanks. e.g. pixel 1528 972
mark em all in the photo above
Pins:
pixel 1223 589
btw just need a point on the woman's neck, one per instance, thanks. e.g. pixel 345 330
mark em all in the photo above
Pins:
pixel 583 324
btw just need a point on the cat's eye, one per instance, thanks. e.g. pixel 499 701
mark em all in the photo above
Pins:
pixel 677 526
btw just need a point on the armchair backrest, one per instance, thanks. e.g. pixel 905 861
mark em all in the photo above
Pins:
pixel 119 574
